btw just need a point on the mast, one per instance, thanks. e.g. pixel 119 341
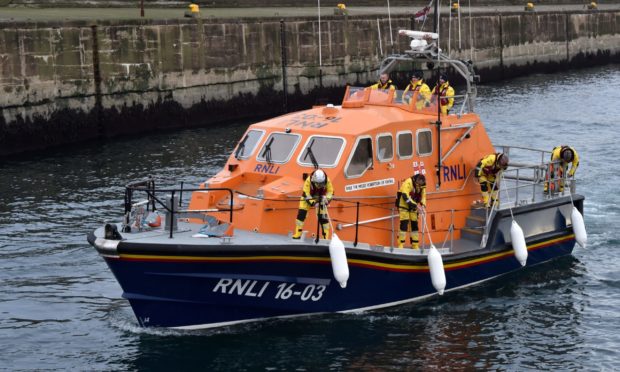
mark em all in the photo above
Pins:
pixel 436 16
pixel 438 122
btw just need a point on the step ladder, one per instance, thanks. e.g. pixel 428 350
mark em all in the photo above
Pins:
pixel 474 224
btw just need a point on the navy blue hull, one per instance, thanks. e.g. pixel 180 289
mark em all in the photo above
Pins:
pixel 203 291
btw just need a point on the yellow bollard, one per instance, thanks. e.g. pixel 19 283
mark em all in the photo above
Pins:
pixel 341 9
pixel 193 12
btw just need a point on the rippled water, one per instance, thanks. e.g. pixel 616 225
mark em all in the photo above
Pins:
pixel 60 307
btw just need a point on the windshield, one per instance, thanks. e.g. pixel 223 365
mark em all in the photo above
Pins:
pixel 278 147
pixel 325 150
pixel 361 158
pixel 248 143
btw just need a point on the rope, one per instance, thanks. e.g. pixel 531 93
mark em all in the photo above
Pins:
pixel 426 227
pixel 503 183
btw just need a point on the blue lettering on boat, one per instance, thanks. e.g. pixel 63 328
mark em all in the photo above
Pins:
pixel 267 168
pixel 454 172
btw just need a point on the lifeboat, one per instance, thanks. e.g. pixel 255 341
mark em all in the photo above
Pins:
pixel 227 255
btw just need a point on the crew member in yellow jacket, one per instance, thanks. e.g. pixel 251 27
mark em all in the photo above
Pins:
pixel 446 93
pixel 317 189
pixel 487 171
pixel 561 156
pixel 417 85
pixel 384 82
pixel 411 194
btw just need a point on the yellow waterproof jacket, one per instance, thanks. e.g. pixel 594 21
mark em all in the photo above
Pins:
pixel 488 167
pixel 419 86
pixel 310 190
pixel 556 155
pixel 447 96
pixel 387 85
pixel 411 192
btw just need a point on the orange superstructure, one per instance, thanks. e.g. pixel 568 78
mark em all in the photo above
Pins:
pixel 367 146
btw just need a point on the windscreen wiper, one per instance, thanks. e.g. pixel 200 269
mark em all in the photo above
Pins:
pixel 267 151
pixel 241 147
pixel 312 158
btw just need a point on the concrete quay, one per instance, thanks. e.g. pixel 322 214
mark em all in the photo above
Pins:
pixel 67 79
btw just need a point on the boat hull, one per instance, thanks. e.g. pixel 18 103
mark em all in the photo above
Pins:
pixel 219 287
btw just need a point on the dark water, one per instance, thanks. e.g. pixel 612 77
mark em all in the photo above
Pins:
pixel 60 307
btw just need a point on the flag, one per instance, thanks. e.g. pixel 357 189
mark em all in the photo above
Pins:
pixel 421 14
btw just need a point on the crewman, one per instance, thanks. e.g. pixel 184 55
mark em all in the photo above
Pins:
pixel 487 172
pixel 317 189
pixel 561 156
pixel 411 194
pixel 384 82
pixel 446 92
pixel 417 85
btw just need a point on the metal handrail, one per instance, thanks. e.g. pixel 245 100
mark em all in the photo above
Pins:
pixel 540 175
pixel 148 186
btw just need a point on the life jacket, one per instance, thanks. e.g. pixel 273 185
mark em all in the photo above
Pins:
pixel 489 170
pixel 318 191
pixel 384 86
pixel 416 193
pixel 442 93
pixel 415 88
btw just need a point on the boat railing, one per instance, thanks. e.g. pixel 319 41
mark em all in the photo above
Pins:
pixel 527 180
pixel 172 203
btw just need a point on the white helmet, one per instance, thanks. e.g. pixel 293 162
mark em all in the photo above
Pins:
pixel 318 177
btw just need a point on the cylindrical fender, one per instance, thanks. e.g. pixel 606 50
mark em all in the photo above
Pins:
pixel 579 228
pixel 438 275
pixel 339 260
pixel 518 243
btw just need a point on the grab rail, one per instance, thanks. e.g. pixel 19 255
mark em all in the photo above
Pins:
pixel 148 186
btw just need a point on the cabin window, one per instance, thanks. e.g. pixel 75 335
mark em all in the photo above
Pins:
pixel 326 151
pixel 425 142
pixel 248 143
pixel 278 147
pixel 405 145
pixel 385 147
pixel 361 158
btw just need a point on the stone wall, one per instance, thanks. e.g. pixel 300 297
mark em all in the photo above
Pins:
pixel 68 82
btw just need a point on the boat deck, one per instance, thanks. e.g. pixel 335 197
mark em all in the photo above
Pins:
pixel 514 193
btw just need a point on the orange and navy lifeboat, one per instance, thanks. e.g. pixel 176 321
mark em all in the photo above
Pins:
pixel 228 256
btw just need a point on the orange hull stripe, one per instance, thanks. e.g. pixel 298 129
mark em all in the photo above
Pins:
pixel 352 262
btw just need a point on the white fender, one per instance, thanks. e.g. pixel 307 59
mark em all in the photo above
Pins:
pixel 339 260
pixel 419 35
pixel 438 275
pixel 518 243
pixel 579 228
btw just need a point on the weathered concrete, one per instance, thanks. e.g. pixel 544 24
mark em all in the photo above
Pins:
pixel 257 3
pixel 64 82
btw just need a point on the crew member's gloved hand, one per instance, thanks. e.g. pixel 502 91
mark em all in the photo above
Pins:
pixel 310 201
pixel 411 204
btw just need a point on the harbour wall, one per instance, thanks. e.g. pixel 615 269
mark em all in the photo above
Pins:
pixel 67 82
pixel 256 3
